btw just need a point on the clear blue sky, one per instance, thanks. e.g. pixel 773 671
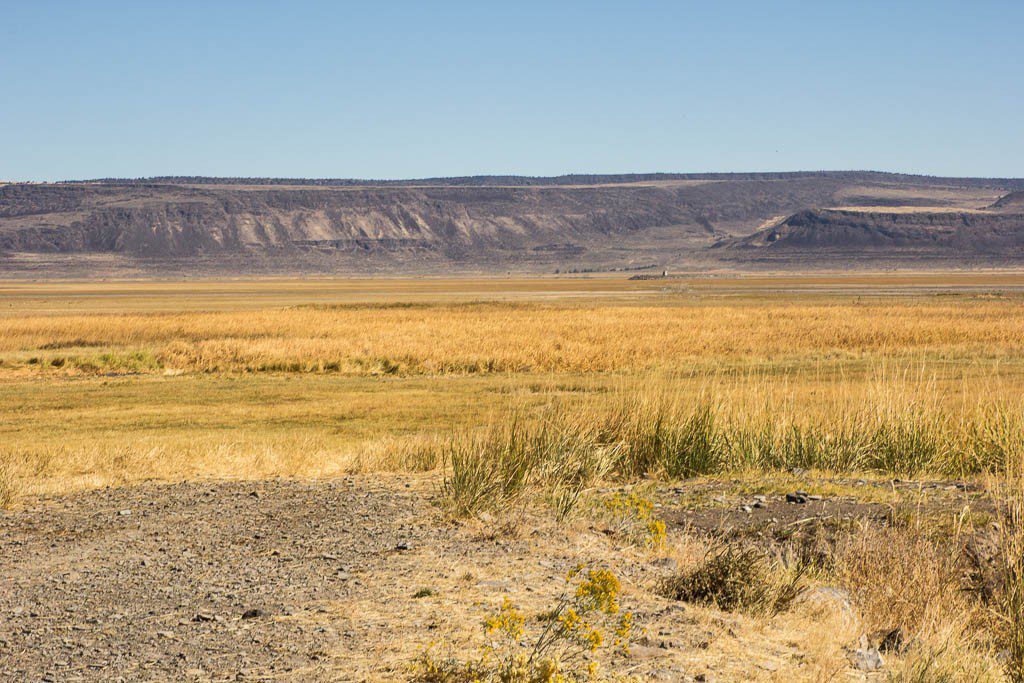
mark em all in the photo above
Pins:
pixel 413 89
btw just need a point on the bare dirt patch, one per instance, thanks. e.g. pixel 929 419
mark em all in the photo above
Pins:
pixel 351 579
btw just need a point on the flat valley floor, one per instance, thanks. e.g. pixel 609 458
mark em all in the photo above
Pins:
pixel 266 479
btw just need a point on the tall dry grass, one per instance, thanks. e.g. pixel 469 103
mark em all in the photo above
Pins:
pixel 1007 578
pixel 672 438
pixel 10 487
pixel 658 427
pixel 494 337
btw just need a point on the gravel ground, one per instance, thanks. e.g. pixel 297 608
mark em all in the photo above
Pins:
pixel 351 579
pixel 191 581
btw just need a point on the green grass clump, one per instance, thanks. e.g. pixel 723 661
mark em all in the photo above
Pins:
pixel 493 470
pixel 660 439
pixel 565 451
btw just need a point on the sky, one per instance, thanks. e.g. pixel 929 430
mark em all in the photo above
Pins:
pixel 425 89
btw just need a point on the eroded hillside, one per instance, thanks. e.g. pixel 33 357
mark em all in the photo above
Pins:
pixel 532 224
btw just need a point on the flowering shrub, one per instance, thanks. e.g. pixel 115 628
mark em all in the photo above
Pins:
pixel 583 620
pixel 632 516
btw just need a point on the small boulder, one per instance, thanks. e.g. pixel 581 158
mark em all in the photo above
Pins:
pixel 866 660
pixel 865 657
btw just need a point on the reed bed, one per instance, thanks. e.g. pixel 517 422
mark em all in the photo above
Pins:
pixel 672 438
pixel 513 338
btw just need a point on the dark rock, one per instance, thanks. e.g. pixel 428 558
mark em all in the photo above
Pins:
pixel 888 640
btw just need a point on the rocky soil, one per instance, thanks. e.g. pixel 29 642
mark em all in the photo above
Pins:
pixel 351 579
pixel 218 582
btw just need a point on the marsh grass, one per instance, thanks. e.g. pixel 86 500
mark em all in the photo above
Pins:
pixel 651 435
pixel 554 454
pixel 564 337
pixel 601 393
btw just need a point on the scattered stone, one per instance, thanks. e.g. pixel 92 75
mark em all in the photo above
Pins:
pixel 837 598
pixel 796 498
pixel 866 658
pixel 254 613
pixel 669 563
pixel 124 513
pixel 645 652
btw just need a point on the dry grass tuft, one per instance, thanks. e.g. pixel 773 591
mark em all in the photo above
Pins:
pixel 1007 600
pixel 553 454
pixel 902 578
pixel 736 578
pixel 10 486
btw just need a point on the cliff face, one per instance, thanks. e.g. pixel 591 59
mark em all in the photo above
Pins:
pixel 858 232
pixel 1014 201
pixel 159 221
pixel 611 221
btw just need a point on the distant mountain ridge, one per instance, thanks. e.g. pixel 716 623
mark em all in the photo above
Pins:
pixel 571 179
pixel 501 223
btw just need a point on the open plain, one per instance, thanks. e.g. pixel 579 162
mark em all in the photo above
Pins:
pixel 785 477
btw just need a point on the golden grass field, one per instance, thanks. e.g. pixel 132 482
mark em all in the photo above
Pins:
pixel 122 381
pixel 551 387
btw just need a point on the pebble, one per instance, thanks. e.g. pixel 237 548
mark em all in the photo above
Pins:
pixel 866 659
